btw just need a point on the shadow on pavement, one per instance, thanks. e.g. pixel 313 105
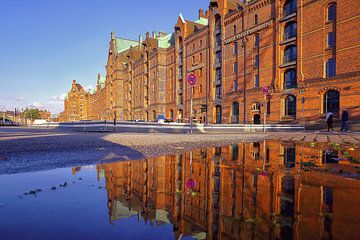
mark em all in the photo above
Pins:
pixel 36 150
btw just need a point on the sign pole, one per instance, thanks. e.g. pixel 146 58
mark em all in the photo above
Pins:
pixel 265 110
pixel 191 107
pixel 191 82
pixel 303 111
pixel 265 91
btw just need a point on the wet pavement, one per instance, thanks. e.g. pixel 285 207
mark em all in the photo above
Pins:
pixel 268 189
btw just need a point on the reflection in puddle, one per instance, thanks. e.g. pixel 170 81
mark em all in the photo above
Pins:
pixel 261 190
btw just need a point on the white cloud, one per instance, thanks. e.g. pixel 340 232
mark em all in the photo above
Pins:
pixel 37 105
pixel 15 99
pixel 60 97
pixel 89 88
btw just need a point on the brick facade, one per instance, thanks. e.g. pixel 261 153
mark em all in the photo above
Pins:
pixel 303 51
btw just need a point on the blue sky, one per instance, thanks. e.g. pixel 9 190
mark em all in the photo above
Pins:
pixel 44 44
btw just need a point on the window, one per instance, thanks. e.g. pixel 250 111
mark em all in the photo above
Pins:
pixel 290 106
pixel 289 157
pixel 218 114
pixel 256 61
pixel 290 54
pixel 200 72
pixel 235 67
pixel 331 67
pixel 235 48
pixel 256 19
pixel 200 57
pixel 200 88
pixel 234 152
pixel 193 47
pixel 193 59
pixel 236 85
pixel 218 40
pixel 218 92
pixel 218 56
pixel 331 39
pixel 290 30
pixel 234 29
pixel 268 109
pixel 289 7
pixel 200 43
pixel 256 81
pixel 171 72
pixel 290 80
pixel 332 12
pixel 256 40
pixel 235 112
pixel 218 72
pixel 331 102
pixel 255 107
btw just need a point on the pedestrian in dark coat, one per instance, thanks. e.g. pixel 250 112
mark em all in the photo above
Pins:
pixel 344 119
pixel 330 121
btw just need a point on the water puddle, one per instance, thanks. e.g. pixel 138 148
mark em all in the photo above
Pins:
pixel 260 190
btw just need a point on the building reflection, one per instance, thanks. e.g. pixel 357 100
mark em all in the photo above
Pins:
pixel 246 191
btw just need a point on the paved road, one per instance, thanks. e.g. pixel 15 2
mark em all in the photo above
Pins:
pixel 27 149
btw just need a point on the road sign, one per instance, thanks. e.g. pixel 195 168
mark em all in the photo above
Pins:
pixel 191 79
pixel 265 90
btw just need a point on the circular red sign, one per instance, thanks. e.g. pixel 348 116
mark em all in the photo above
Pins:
pixel 191 79
pixel 265 90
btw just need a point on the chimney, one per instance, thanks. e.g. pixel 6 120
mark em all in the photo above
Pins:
pixel 154 34
pixel 201 13
pixel 98 76
pixel 74 82
pixel 140 39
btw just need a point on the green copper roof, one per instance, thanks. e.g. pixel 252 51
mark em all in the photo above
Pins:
pixel 202 21
pixel 166 41
pixel 122 44
pixel 102 80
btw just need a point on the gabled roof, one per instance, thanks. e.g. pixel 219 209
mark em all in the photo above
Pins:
pixel 122 44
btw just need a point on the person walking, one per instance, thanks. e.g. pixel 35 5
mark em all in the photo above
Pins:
pixel 330 121
pixel 344 119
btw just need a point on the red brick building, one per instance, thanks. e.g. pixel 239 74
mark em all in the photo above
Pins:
pixel 306 52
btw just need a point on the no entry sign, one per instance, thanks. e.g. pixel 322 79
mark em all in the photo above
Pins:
pixel 191 79
pixel 265 90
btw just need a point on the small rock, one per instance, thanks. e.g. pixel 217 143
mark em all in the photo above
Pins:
pixel 53 188
pixel 63 185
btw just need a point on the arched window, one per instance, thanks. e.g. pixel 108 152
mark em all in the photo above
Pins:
pixel 290 79
pixel 331 67
pixel 331 102
pixel 235 112
pixel 255 107
pixel 331 12
pixel 289 7
pixel 290 30
pixel 290 54
pixel 256 19
pixel 290 106
pixel 234 29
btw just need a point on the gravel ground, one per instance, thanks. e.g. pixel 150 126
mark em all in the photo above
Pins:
pixel 25 150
